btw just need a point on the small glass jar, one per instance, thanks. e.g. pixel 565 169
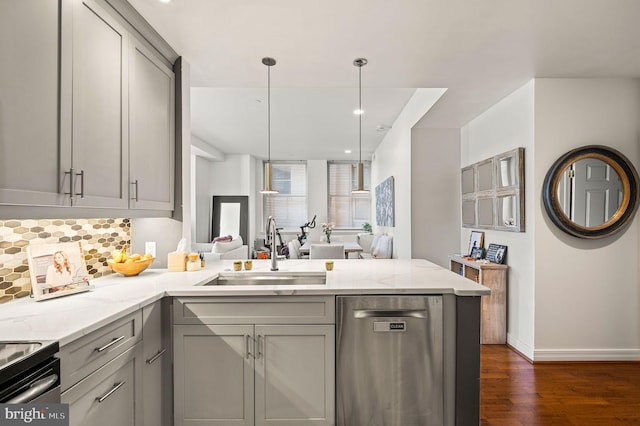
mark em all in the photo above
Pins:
pixel 193 262
pixel 248 265
pixel 237 265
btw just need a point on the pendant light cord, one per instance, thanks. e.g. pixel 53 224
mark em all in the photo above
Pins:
pixel 269 114
pixel 360 115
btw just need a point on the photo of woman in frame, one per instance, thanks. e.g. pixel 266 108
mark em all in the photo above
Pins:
pixel 57 269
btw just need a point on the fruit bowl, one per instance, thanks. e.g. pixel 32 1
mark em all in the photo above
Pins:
pixel 130 269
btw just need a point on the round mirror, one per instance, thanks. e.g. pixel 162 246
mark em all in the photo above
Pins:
pixel 591 192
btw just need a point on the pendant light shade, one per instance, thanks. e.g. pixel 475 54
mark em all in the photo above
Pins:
pixel 360 62
pixel 269 62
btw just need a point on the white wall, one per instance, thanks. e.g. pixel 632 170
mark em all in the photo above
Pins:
pixel 568 298
pixel 435 194
pixel 507 125
pixel 201 199
pixel 587 291
pixel 393 158
pixel 233 176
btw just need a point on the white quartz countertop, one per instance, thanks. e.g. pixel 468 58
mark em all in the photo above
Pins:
pixel 67 318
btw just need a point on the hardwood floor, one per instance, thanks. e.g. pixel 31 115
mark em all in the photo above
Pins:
pixel 514 392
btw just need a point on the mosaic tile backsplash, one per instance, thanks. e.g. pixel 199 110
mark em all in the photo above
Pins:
pixel 99 237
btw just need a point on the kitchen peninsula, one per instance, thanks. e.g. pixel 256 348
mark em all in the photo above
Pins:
pixel 70 319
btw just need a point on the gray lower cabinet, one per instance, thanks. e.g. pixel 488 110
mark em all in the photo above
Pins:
pixel 120 374
pixel 108 396
pixel 156 399
pixel 240 372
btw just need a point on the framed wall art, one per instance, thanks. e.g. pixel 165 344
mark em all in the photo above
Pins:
pixel 57 270
pixel 385 203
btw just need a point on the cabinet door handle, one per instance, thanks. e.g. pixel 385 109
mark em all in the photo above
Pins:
pixel 260 344
pixel 135 183
pixel 247 351
pixel 108 345
pixel 81 174
pixel 70 193
pixel 111 391
pixel 156 356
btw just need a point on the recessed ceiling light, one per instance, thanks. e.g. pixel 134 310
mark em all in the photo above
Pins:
pixel 358 111
pixel 347 151
pixel 164 1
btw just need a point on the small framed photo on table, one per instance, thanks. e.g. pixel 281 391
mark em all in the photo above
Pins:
pixel 475 241
pixel 496 253
pixel 477 253
pixel 57 270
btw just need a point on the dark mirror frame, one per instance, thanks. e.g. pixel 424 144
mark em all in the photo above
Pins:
pixel 628 178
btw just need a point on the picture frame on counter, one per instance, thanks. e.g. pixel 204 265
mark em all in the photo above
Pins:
pixel 477 253
pixel 496 253
pixel 57 269
pixel 476 240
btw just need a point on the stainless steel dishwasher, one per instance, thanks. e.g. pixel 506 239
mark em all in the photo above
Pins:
pixel 389 365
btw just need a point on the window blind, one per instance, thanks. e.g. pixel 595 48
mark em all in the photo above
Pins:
pixel 289 205
pixel 347 210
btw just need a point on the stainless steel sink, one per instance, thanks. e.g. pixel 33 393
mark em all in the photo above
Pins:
pixel 270 278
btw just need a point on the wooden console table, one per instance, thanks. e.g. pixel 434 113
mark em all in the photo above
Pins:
pixel 493 323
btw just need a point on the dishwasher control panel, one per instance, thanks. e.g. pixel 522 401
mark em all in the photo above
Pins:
pixel 389 326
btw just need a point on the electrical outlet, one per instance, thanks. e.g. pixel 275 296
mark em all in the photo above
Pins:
pixel 150 248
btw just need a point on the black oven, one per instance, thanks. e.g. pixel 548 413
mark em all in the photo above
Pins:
pixel 29 372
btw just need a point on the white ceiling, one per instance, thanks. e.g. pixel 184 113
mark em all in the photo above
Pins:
pixel 480 50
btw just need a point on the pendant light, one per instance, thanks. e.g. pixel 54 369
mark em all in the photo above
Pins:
pixel 269 62
pixel 360 62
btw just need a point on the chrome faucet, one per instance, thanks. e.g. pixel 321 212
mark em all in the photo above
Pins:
pixel 271 230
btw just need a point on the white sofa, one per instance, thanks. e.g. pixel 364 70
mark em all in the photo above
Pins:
pixel 223 250
pixel 381 247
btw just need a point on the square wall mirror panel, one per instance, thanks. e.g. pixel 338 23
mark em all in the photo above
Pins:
pixel 493 192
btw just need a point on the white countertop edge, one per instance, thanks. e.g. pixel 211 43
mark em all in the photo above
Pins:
pixel 68 318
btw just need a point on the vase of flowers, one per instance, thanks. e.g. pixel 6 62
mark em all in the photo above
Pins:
pixel 327 228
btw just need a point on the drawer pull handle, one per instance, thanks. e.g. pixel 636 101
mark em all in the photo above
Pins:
pixel 108 345
pixel 113 389
pixel 156 356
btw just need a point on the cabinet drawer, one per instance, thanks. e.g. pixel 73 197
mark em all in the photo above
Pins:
pixel 252 310
pixel 80 358
pixel 109 395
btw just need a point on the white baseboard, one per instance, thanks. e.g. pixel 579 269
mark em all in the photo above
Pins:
pixel 586 355
pixel 541 355
pixel 524 349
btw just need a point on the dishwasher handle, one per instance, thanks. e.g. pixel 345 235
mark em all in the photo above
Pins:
pixel 386 313
pixel 36 389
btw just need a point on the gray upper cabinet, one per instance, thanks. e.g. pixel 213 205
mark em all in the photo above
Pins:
pixel 96 153
pixel 29 107
pixel 87 110
pixel 151 129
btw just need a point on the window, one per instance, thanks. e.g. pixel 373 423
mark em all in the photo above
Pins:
pixel 289 205
pixel 348 210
